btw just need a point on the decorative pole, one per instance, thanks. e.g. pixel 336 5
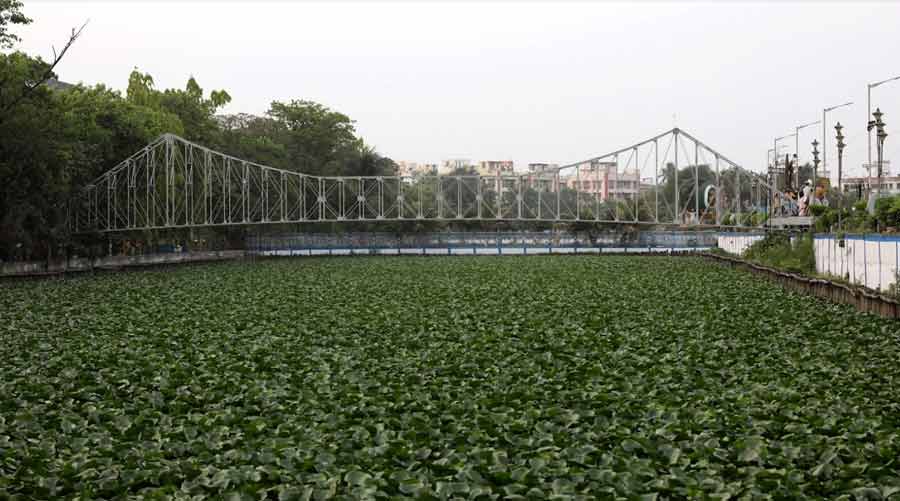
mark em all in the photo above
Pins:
pixel 881 135
pixel 840 148
pixel 815 152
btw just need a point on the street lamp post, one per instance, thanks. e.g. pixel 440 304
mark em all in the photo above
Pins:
pixel 797 143
pixel 840 149
pixel 776 153
pixel 815 152
pixel 881 135
pixel 825 144
pixel 770 177
pixel 869 88
pixel 796 170
pixel 770 164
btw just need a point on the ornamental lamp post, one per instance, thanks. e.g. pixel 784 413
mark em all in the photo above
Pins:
pixel 815 152
pixel 797 130
pixel 796 169
pixel 869 88
pixel 775 147
pixel 840 148
pixel 824 143
pixel 880 136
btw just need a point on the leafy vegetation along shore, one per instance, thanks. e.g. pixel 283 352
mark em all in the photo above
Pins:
pixel 434 378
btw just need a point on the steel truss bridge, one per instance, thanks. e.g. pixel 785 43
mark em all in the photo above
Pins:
pixel 174 183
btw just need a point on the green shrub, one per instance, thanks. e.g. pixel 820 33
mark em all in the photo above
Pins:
pixel 818 210
pixel 777 251
pixel 829 218
pixel 894 290
pixel 759 218
pixel 858 219
pixel 887 211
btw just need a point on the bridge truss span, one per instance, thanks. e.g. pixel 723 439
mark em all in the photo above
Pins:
pixel 175 183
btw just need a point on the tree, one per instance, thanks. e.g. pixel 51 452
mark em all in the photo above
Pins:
pixel 32 174
pixel 362 160
pixel 102 129
pixel 38 72
pixel 197 113
pixel 141 90
pixel 55 142
pixel 314 136
pixel 687 188
pixel 10 14
pixel 254 138
pixel 302 136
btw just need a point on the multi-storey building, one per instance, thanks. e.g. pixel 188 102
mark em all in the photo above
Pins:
pixel 541 176
pixel 889 184
pixel 536 168
pixel 405 168
pixel 604 179
pixel 414 169
pixel 453 164
pixel 495 168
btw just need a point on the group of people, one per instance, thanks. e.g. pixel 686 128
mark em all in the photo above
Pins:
pixel 798 204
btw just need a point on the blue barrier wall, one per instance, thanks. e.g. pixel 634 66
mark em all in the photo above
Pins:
pixel 477 242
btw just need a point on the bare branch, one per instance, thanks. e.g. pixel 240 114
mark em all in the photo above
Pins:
pixel 30 87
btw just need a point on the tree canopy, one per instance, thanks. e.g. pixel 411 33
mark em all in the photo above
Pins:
pixel 10 14
pixel 55 140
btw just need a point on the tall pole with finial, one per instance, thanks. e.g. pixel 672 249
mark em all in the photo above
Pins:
pixel 840 148
pixel 881 135
pixel 815 152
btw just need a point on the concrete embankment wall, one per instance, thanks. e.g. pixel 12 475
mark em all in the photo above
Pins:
pixel 81 264
pixel 868 260
pixel 862 300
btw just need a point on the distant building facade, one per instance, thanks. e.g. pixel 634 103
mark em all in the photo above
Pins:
pixel 889 184
pixel 414 169
pixel 600 178
pixel 495 168
pixel 452 164
pixel 536 168
pixel 604 179
pixel 541 176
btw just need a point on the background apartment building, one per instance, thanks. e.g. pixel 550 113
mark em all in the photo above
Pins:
pixel 413 169
pixel 453 164
pixel 890 185
pixel 495 168
pixel 600 178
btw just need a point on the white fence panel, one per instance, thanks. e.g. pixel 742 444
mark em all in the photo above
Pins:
pixel 870 260
pixel 737 243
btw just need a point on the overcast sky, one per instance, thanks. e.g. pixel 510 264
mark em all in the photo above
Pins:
pixel 532 81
